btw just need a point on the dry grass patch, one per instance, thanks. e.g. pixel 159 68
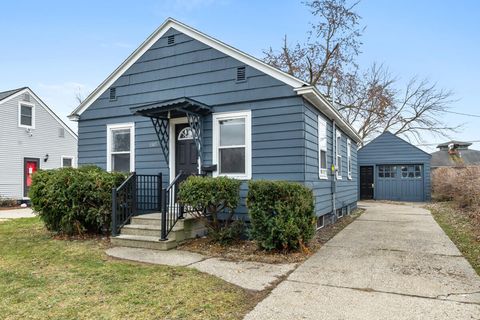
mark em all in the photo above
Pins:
pixel 462 227
pixel 44 278
pixel 247 250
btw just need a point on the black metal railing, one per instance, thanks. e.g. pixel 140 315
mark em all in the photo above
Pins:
pixel 139 193
pixel 171 211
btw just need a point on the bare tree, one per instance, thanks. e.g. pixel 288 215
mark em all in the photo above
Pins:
pixel 79 96
pixel 369 100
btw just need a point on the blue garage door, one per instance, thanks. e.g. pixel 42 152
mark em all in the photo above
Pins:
pixel 399 182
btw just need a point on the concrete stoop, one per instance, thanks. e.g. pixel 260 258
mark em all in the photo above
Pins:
pixel 144 232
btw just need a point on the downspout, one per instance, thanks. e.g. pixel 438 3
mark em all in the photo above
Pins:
pixel 334 169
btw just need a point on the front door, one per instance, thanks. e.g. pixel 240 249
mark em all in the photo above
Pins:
pixel 186 156
pixel 30 166
pixel 366 182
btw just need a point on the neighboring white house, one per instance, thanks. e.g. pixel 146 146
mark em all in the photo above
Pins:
pixel 32 137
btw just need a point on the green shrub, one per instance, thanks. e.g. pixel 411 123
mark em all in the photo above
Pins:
pixel 281 214
pixel 74 201
pixel 7 202
pixel 207 198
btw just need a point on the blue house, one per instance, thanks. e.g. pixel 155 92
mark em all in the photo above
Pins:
pixel 184 102
pixel 393 169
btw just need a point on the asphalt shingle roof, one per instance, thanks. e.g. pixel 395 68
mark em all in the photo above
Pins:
pixel 465 157
pixel 6 94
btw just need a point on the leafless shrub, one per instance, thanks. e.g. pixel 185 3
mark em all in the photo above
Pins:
pixel 460 185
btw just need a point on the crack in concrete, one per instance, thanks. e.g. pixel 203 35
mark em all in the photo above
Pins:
pixel 399 250
pixel 445 296
pixel 386 292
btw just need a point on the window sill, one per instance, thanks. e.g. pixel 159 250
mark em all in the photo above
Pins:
pixel 25 126
pixel 233 176
pixel 323 177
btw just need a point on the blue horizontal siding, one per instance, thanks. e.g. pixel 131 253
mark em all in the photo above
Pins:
pixel 390 149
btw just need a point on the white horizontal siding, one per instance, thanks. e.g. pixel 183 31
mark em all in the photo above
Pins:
pixel 16 144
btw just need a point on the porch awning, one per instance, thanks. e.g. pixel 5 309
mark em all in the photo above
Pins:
pixel 172 108
pixel 161 112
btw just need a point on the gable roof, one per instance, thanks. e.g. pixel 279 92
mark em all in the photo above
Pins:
pixel 16 92
pixel 388 135
pixel 301 87
pixel 6 94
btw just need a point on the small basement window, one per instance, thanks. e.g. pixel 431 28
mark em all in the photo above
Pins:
pixel 339 213
pixel 113 94
pixel 320 222
pixel 241 74
pixel 67 162
pixel 171 39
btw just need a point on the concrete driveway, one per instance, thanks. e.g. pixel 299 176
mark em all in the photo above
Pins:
pixel 394 262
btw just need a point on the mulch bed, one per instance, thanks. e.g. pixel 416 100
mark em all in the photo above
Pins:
pixel 247 250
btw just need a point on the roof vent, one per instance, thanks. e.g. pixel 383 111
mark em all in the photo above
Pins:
pixel 241 75
pixel 61 132
pixel 26 97
pixel 171 39
pixel 113 94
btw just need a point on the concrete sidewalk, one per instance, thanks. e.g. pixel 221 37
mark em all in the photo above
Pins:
pixel 394 262
pixel 254 276
pixel 16 213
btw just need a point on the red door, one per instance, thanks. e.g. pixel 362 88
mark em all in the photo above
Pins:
pixel 30 166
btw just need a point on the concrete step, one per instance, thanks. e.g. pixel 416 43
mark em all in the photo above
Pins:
pixel 177 232
pixel 136 241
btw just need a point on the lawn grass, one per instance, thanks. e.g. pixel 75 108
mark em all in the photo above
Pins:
pixel 461 228
pixel 44 278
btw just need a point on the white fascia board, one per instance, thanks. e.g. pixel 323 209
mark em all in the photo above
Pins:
pixel 311 94
pixel 194 34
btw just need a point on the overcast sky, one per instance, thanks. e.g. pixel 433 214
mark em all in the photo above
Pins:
pixel 58 48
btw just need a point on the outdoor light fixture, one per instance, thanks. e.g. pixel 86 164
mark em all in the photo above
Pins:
pixel 45 159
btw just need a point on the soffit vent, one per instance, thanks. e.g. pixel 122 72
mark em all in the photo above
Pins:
pixel 113 93
pixel 171 39
pixel 241 74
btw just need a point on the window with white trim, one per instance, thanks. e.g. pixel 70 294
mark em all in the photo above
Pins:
pixel 349 159
pixel 232 144
pixel 320 222
pixel 67 162
pixel 322 148
pixel 26 115
pixel 121 147
pixel 338 153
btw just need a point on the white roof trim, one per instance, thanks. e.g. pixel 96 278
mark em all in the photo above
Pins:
pixel 312 94
pixel 50 111
pixel 197 35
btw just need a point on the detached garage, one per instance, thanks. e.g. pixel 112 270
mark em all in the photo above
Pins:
pixel 392 169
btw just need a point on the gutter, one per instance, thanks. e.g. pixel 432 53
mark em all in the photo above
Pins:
pixel 312 94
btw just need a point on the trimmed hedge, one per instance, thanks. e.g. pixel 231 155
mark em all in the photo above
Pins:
pixel 209 197
pixel 73 201
pixel 281 214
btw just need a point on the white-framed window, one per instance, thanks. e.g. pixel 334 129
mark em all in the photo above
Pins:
pixel 349 159
pixel 67 161
pixel 232 144
pixel 322 148
pixel 338 154
pixel 340 213
pixel 320 222
pixel 26 115
pixel 121 147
